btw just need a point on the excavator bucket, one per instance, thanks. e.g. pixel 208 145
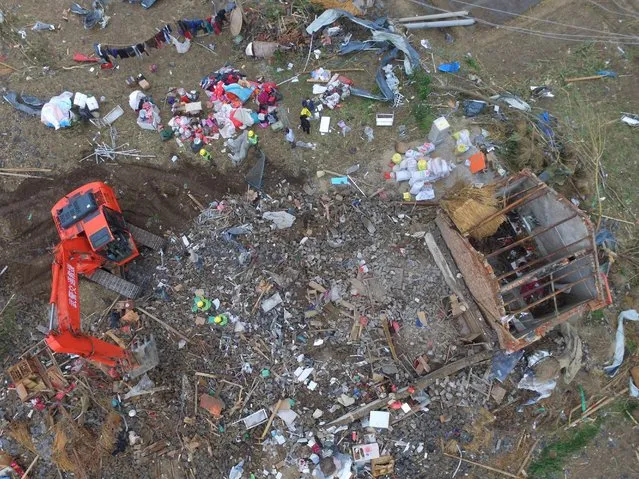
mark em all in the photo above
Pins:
pixel 145 357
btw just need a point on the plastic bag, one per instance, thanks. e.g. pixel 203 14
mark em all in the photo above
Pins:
pixel 449 67
pixel 144 384
pixel 135 98
pixel 56 113
pixel 463 141
pixel 368 131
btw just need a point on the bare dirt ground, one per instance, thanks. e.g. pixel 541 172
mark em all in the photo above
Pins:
pixel 153 192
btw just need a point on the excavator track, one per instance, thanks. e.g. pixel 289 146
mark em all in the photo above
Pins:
pixel 145 238
pixel 115 283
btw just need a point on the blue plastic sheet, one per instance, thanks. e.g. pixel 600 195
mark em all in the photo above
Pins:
pixel 604 237
pixel 449 67
pixel 331 15
pixel 504 363
pixel 607 73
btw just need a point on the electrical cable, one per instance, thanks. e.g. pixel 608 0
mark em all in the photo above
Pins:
pixel 635 16
pixel 629 10
pixel 550 35
pixel 542 20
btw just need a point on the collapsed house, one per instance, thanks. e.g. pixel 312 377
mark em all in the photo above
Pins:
pixel 539 266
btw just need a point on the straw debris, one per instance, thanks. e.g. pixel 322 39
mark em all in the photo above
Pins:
pixel 468 206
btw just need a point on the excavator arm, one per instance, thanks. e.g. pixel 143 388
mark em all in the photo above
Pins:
pixel 73 257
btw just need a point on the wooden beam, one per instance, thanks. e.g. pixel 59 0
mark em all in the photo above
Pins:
pixel 422 383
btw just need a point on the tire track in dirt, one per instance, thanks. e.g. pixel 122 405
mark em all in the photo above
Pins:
pixel 155 198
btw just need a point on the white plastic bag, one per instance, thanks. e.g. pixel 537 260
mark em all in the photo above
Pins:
pixel 56 113
pixel 135 98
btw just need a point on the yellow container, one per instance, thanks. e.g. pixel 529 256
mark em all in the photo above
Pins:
pixel 422 165
pixel 397 158
pixel 407 196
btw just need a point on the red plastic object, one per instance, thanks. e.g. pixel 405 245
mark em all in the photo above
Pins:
pixel 477 162
pixel 79 57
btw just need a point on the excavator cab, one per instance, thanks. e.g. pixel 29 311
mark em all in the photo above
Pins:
pixel 92 211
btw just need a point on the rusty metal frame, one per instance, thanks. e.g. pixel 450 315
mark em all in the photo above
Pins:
pixel 565 275
pixel 521 201
pixel 482 280
pixel 536 233
pixel 539 260
pixel 544 270
pixel 549 296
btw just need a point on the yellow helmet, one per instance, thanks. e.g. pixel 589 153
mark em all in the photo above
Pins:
pixel 203 152
pixel 397 158
pixel 251 133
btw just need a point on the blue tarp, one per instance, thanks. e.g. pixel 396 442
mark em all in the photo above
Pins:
pixel 383 38
pixel 331 15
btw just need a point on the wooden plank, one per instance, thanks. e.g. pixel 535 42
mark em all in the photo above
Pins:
pixel 389 338
pixel 442 264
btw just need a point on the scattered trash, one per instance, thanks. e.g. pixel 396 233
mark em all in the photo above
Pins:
pixel 39 26
pixel 379 419
pixel 512 101
pixel 280 219
pixel 368 131
pixel 630 119
pixel 473 107
pixel 56 113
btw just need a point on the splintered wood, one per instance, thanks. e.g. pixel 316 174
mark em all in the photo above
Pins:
pixel 389 338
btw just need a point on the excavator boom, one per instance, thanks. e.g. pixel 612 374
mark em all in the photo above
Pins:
pixel 65 336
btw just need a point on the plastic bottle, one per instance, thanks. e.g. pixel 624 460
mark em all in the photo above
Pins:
pixel 237 470
pixel 427 148
pixel 416 187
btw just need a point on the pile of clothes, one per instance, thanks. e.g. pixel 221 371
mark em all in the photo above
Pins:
pixel 146 109
pixel 229 95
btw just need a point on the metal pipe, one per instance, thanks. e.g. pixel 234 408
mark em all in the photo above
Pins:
pixel 527 265
pixel 539 301
pixel 554 298
pixel 507 197
pixel 441 24
pixel 518 242
pixel 544 270
pixel 510 207
pixel 435 16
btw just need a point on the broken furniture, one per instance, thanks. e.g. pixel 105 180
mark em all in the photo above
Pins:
pixel 537 270
pixel 37 373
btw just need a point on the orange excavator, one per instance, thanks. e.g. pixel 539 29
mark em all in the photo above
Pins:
pixel 94 237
